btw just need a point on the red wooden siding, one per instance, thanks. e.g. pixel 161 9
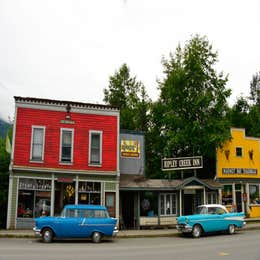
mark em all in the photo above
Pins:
pixel 26 118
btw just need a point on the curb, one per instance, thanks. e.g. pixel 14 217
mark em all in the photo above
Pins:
pixel 13 234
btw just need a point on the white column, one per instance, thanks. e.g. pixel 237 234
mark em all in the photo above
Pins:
pixel 10 191
pixel 242 197
pixel 248 198
pixel 77 190
pixel 52 194
pixel 204 195
pixel 117 198
pixel 234 193
pixel 180 202
pixel 220 196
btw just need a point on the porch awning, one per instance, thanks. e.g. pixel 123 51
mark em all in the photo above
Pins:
pixel 137 182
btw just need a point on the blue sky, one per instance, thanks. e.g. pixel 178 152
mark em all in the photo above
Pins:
pixel 65 49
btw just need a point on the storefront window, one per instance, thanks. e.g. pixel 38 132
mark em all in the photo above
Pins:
pixel 212 198
pixel 34 198
pixel 168 204
pixel 89 193
pixel 227 195
pixel 149 204
pixel 254 194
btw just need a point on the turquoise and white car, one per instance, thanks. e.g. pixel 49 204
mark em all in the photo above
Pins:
pixel 210 218
pixel 77 221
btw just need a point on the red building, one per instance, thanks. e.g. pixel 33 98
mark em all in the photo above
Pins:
pixel 63 152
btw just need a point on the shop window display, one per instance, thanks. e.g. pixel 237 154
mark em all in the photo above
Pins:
pixel 89 193
pixel 254 194
pixel 227 195
pixel 33 198
pixel 149 204
pixel 168 204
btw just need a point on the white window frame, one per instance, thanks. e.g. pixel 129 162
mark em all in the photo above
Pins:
pixel 72 145
pixel 43 144
pixel 172 196
pixel 100 148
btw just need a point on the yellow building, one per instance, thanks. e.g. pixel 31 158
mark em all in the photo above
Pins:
pixel 238 169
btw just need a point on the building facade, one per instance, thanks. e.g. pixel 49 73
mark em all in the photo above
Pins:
pixel 238 169
pixel 63 152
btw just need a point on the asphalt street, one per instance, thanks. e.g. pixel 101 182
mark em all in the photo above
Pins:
pixel 243 245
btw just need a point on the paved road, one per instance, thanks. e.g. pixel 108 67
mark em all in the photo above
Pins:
pixel 243 245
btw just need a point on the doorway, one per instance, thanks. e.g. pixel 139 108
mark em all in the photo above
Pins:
pixel 127 210
pixel 188 204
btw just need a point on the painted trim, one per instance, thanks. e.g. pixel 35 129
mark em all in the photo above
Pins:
pixel 100 133
pixel 72 146
pixel 64 171
pixel 62 108
pixel 43 143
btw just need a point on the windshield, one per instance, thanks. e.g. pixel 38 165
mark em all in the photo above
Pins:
pixel 201 210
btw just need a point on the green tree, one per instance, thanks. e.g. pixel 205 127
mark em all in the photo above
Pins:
pixel 4 178
pixel 129 95
pixel 192 106
pixel 255 89
pixel 239 113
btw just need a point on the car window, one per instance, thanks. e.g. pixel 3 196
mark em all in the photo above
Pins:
pixel 72 213
pixel 220 211
pixel 212 210
pixel 201 210
pixel 100 214
pixel 88 213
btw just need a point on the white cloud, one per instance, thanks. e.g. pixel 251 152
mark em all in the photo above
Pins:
pixel 65 49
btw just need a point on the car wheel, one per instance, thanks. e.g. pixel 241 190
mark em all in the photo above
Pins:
pixel 231 229
pixel 96 237
pixel 196 231
pixel 47 235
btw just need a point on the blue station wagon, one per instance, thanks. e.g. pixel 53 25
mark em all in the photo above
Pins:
pixel 210 218
pixel 77 221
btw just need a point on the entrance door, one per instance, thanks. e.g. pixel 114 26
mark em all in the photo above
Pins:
pixel 111 203
pixel 127 209
pixel 239 201
pixel 188 204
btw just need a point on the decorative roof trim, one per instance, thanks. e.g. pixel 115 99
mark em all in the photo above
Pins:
pixel 42 101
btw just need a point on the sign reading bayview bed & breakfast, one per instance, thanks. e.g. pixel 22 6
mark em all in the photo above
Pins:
pixel 169 164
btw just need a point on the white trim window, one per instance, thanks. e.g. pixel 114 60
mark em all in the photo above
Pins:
pixel 168 204
pixel 66 145
pixel 95 148
pixel 37 143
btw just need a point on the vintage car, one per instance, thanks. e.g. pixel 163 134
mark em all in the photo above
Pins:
pixel 77 221
pixel 210 218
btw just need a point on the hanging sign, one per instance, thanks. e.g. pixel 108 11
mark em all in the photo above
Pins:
pixel 181 163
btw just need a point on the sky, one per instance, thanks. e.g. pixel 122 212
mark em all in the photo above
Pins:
pixel 68 49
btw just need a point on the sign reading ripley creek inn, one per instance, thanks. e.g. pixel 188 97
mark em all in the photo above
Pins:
pixel 170 164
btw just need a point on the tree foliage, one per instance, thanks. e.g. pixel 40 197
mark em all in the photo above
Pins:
pixel 190 115
pixel 130 96
pixel 255 89
pixel 4 178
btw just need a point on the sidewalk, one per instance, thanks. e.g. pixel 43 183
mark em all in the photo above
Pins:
pixel 166 232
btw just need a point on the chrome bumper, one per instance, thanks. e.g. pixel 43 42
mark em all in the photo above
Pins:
pixel 37 232
pixel 184 228
pixel 115 231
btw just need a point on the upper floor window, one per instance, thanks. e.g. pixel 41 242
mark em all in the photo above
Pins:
pixel 95 148
pixel 66 145
pixel 37 143
pixel 239 151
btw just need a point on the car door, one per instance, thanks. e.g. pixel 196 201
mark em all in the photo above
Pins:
pixel 69 224
pixel 213 219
